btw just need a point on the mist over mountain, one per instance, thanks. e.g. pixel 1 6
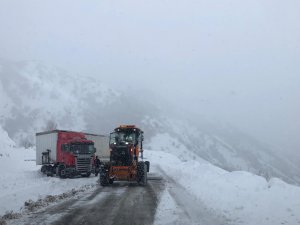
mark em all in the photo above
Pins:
pixel 37 97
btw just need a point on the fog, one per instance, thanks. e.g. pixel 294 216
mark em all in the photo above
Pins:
pixel 232 61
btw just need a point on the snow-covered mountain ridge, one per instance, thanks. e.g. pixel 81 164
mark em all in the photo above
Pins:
pixel 33 94
pixel 35 97
pixel 224 147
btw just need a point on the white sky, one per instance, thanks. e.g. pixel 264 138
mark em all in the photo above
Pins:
pixel 235 60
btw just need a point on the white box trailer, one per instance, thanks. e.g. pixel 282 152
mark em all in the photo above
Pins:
pixel 46 141
pixel 101 143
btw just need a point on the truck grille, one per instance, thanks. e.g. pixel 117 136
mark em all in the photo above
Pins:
pixel 83 165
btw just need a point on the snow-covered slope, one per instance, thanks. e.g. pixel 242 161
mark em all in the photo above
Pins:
pixel 224 147
pixel 35 97
pixel 239 197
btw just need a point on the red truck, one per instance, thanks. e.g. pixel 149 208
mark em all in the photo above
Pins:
pixel 64 153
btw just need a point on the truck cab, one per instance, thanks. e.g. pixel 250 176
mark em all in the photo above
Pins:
pixel 64 153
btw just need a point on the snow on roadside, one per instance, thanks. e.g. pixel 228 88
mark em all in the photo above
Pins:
pixel 242 197
pixel 21 180
pixel 6 144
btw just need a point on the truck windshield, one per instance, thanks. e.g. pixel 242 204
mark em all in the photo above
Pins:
pixel 122 137
pixel 82 148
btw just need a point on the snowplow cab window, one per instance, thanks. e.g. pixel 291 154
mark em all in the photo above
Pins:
pixel 113 139
pixel 123 137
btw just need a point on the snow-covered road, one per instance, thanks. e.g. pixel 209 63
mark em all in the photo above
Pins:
pixel 122 203
pixel 162 201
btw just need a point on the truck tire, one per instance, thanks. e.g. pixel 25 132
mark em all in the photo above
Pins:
pixel 148 165
pixel 142 173
pixel 44 169
pixel 103 177
pixel 49 171
pixel 61 171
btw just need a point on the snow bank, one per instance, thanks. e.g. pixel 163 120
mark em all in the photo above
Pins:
pixel 6 144
pixel 241 196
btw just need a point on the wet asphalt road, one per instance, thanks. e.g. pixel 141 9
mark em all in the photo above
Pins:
pixel 122 203
pixel 129 204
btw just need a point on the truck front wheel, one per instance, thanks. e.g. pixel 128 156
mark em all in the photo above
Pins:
pixel 142 173
pixel 44 169
pixel 61 171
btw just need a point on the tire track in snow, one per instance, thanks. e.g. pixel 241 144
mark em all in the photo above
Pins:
pixel 185 207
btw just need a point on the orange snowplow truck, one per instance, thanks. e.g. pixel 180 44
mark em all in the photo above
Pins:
pixel 126 157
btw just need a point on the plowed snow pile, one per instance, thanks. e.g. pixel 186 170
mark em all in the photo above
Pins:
pixel 240 196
